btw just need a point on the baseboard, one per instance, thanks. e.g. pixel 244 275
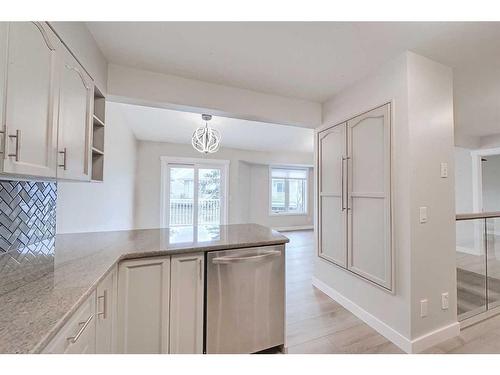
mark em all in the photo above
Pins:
pixel 291 229
pixel 435 337
pixel 409 346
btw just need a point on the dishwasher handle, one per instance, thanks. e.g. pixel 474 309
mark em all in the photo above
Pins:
pixel 245 259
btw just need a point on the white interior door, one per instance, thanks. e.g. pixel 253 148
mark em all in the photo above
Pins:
pixel 332 199
pixel 195 194
pixel 369 186
pixel 30 100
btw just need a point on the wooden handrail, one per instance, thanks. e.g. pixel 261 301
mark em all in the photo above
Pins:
pixel 480 215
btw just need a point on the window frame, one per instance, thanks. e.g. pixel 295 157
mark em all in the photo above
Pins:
pixel 287 191
pixel 196 163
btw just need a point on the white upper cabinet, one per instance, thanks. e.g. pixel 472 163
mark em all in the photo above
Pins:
pixel 75 119
pixel 4 26
pixel 30 101
pixel 46 106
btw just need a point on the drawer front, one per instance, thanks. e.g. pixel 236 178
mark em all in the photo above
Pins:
pixel 78 334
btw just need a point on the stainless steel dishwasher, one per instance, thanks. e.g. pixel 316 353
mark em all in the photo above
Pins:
pixel 245 299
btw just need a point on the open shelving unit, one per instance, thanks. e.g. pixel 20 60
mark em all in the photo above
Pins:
pixel 98 127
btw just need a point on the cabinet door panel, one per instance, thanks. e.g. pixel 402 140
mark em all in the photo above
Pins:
pixel 75 100
pixel 333 238
pixel 369 256
pixel 369 189
pixel 30 100
pixel 105 314
pixel 143 306
pixel 4 26
pixel 332 186
pixel 186 308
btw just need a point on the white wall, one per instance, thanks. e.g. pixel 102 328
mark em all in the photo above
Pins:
pixel 433 266
pixel 92 207
pixel 81 42
pixel 491 183
pixel 147 198
pixel 135 86
pixel 388 84
pixel 490 141
pixel 421 93
pixel 463 180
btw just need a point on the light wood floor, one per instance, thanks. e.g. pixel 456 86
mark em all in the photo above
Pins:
pixel 315 323
pixel 318 324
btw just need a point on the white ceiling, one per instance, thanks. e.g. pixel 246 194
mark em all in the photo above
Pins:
pixel 313 60
pixel 164 125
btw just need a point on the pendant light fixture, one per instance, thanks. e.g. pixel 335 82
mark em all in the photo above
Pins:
pixel 205 139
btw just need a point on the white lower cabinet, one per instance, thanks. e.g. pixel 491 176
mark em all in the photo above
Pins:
pixel 78 334
pixel 143 306
pixel 148 305
pixel 186 304
pixel 106 314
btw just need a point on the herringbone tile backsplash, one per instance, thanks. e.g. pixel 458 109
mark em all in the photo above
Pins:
pixel 27 214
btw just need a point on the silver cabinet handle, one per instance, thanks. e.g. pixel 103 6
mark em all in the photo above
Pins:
pixel 251 258
pixel 104 303
pixel 345 202
pixel 64 152
pixel 17 136
pixel 3 148
pixel 201 271
pixel 84 325
pixel 342 183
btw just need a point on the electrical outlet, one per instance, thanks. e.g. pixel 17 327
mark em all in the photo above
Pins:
pixel 423 308
pixel 445 301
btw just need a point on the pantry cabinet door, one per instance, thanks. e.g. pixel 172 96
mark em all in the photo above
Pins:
pixel 331 184
pixel 75 119
pixel 186 308
pixel 143 306
pixel 369 192
pixel 31 100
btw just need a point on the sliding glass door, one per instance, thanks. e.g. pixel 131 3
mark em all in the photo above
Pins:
pixel 195 194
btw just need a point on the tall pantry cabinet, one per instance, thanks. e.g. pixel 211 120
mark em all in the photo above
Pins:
pixel 354 211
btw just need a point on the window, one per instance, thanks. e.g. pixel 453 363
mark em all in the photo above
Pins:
pixel 288 191
pixel 193 192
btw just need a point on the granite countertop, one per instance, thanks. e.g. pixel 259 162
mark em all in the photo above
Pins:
pixel 42 285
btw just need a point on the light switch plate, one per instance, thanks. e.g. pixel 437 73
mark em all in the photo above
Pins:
pixel 444 170
pixel 445 301
pixel 423 215
pixel 423 308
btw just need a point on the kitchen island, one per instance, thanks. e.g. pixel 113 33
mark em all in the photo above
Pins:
pixel 44 286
